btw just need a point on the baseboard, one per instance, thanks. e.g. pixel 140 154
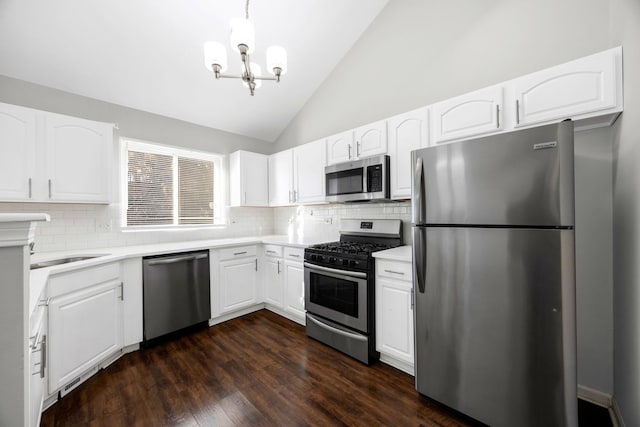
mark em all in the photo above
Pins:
pixel 398 364
pixel 616 416
pixel 286 314
pixel 238 313
pixel 594 396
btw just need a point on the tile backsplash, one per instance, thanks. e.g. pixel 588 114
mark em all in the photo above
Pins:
pixel 322 222
pixel 86 226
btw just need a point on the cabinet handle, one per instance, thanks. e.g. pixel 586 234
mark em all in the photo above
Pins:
pixel 49 188
pixel 256 264
pixel 412 296
pixel 245 197
pixel 497 116
pixel 290 196
pixel 349 147
pixel 44 302
pixel 357 148
pixel 29 187
pixel 271 252
pixel 278 266
pixel 121 291
pixel 517 111
pixel 294 256
pixel 43 356
pixel 239 253
pixel 295 195
pixel 395 272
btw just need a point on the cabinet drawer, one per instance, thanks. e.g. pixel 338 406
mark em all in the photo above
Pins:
pixel 76 280
pixel 394 269
pixel 294 253
pixel 238 252
pixel 273 251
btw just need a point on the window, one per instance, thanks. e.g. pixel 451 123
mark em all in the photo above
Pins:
pixel 169 187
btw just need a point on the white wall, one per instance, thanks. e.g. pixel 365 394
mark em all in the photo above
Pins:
pixel 74 226
pixel 625 30
pixel 416 53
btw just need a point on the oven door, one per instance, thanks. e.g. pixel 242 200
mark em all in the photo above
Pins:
pixel 337 295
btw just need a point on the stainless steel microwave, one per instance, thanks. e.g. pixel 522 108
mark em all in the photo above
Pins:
pixel 364 180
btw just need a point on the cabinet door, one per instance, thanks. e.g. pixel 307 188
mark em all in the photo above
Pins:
pixel 578 87
pixel 340 148
pixel 294 292
pixel 78 159
pixel 84 328
pixel 280 178
pixel 394 319
pixel 238 284
pixel 274 284
pixel 371 140
pixel 309 161
pixel 407 132
pixel 469 115
pixel 248 179
pixel 17 152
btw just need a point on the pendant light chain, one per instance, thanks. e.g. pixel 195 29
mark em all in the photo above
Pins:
pixel 246 11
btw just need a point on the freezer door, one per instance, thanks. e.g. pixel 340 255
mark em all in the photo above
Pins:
pixel 522 178
pixel 495 325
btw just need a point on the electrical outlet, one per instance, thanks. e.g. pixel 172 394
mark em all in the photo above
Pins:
pixel 104 226
pixel 328 220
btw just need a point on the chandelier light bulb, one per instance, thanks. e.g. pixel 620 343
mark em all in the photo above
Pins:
pixel 215 53
pixel 242 33
pixel 277 58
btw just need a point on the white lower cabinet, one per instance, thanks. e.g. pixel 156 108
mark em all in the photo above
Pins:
pixel 273 276
pixel 237 278
pixel 394 314
pixel 294 284
pixel 37 359
pixel 85 323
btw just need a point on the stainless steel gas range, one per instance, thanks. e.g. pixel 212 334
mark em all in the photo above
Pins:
pixel 339 286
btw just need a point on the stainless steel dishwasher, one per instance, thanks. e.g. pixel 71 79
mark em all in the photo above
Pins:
pixel 176 292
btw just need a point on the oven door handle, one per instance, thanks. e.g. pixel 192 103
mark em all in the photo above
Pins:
pixel 336 271
pixel 336 330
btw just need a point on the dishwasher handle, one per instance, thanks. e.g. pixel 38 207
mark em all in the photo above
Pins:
pixel 176 259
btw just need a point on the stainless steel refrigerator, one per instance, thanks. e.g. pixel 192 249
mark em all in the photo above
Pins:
pixel 494 277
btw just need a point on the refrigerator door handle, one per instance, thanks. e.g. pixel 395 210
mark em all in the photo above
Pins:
pixel 420 256
pixel 418 196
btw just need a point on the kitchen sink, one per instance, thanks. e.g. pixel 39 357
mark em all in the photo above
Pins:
pixel 66 260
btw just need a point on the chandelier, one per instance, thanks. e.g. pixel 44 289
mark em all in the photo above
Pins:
pixel 242 40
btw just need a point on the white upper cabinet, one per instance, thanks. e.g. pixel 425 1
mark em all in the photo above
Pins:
pixel 53 158
pixel 406 132
pixel 340 148
pixel 365 141
pixel 309 161
pixel 578 89
pixel 17 152
pixel 296 176
pixel 371 139
pixel 77 148
pixel 248 179
pixel 281 178
pixel 468 115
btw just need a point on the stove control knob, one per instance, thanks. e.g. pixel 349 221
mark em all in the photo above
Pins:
pixel 332 259
pixel 345 262
pixel 353 263
pixel 314 257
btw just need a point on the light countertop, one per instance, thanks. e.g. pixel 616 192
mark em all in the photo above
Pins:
pixel 401 253
pixel 39 277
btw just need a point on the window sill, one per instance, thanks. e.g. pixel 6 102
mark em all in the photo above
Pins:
pixel 172 228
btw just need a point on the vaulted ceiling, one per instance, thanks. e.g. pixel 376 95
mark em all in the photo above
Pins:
pixel 148 54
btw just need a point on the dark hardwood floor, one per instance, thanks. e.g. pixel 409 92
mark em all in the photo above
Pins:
pixel 260 369
pixel 257 370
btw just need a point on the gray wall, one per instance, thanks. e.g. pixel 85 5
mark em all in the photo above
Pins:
pixel 435 50
pixel 419 52
pixel 625 30
pixel 132 123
